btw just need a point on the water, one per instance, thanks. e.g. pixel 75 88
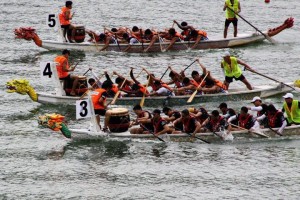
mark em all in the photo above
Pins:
pixel 40 164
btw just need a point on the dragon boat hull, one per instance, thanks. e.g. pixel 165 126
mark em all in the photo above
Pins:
pixel 233 95
pixel 139 48
pixel 183 137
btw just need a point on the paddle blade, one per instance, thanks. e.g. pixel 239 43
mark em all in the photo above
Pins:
pixel 192 97
pixel 142 101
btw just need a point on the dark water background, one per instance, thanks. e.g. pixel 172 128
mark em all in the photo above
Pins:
pixel 37 163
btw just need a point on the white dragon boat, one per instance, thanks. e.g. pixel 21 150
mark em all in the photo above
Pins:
pixel 213 43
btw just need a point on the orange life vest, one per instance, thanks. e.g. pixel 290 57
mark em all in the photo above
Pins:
pixel 203 33
pixel 193 82
pixel 62 17
pixel 221 84
pixel 143 89
pixel 115 88
pixel 96 97
pixel 61 60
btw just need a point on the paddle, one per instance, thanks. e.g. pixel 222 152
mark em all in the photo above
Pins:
pixel 195 92
pixel 275 131
pixel 86 71
pixel 95 42
pixel 190 65
pixel 255 72
pixel 205 141
pixel 118 93
pixel 141 34
pixel 161 47
pixel 143 98
pixel 164 73
pixel 257 133
pixel 117 42
pixel 139 73
pixel 151 132
pixel 266 36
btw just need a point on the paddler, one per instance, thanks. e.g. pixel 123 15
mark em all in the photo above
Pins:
pixel 142 117
pixel 274 119
pixel 171 116
pixel 190 124
pixel 173 36
pixel 231 16
pixel 127 86
pixel 197 36
pixel 130 39
pixel 292 109
pixel 214 123
pixel 245 121
pixel 186 29
pixel 230 65
pixel 151 37
pixel 63 70
pixel 64 18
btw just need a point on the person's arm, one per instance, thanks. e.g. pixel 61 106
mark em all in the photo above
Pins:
pixel 198 127
pixel 256 108
pixel 244 64
pixel 107 40
pixel 132 76
pixel 169 119
pixel 204 70
pixel 165 130
pixel 284 124
pixel 108 78
pixel 174 39
pixel 68 15
pixel 64 68
pixel 102 99
pixel 198 39
pixel 153 40
pixel 260 118
pixel 234 117
pixel 225 6
pixel 239 8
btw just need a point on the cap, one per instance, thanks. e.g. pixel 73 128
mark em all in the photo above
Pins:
pixel 223 105
pixel 255 99
pixel 288 95
pixel 226 54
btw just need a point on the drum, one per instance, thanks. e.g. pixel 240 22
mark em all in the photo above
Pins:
pixel 79 33
pixel 119 120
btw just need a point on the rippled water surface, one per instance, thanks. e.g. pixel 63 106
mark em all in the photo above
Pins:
pixel 40 164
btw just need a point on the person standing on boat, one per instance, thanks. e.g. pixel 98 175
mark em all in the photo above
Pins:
pixel 292 109
pixel 142 117
pixel 231 16
pixel 63 70
pixel 64 18
pixel 274 118
pixel 230 65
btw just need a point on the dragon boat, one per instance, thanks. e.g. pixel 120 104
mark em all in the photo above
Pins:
pixel 23 87
pixel 183 137
pixel 212 43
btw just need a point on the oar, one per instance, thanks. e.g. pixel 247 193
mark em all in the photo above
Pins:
pixel 266 36
pixel 275 131
pixel 161 47
pixel 151 132
pixel 117 42
pixel 143 98
pixel 141 33
pixel 195 92
pixel 257 133
pixel 139 73
pixel 205 141
pixel 118 93
pixel 86 72
pixel 164 73
pixel 95 42
pixel 255 72
pixel 86 92
pixel 190 65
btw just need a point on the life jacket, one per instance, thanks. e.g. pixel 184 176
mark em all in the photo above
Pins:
pixel 143 89
pixel 147 125
pixel 273 122
pixel 138 36
pixel 202 33
pixel 126 88
pixel 157 125
pixel 185 33
pixel 60 60
pixel 244 123
pixel 154 88
pixel 234 70
pixel 115 88
pixel 198 82
pixel 293 114
pixel 234 6
pixel 189 126
pixel 220 84
pixel 193 82
pixel 96 97
pixel 61 16
pixel 215 124
pixel 177 34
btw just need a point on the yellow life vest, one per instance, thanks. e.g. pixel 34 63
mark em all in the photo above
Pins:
pixel 293 115
pixel 234 6
pixel 233 70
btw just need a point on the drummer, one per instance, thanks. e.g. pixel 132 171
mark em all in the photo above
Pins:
pixel 63 70
pixel 64 18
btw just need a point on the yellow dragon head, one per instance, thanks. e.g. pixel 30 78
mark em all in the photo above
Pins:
pixel 21 86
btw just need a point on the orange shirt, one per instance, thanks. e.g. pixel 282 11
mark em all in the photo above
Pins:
pixel 59 67
pixel 62 16
pixel 101 93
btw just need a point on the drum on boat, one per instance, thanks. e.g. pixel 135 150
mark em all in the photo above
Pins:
pixel 79 33
pixel 119 120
